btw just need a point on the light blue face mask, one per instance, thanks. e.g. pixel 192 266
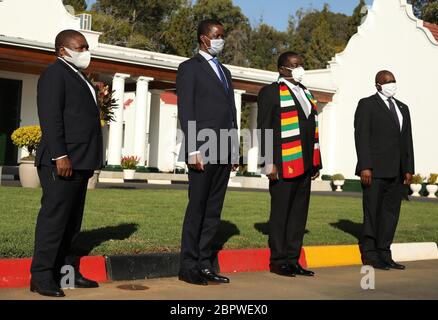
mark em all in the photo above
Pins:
pixel 216 46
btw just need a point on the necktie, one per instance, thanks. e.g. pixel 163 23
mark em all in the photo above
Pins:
pixel 221 73
pixel 302 102
pixel 394 112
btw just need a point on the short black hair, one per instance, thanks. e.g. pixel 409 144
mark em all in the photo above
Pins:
pixel 204 27
pixel 382 73
pixel 282 59
pixel 64 37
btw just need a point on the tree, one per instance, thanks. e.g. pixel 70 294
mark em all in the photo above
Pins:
pixel 356 18
pixel 430 12
pixel 78 5
pixel 321 48
pixel 266 43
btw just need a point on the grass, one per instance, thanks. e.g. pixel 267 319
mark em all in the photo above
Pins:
pixel 139 221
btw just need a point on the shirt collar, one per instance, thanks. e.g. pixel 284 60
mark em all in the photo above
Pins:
pixel 206 55
pixel 384 98
pixel 289 84
pixel 73 68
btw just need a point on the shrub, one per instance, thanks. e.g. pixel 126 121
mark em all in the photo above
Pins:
pixel 27 137
pixel 129 162
pixel 417 179
pixel 433 177
pixel 338 176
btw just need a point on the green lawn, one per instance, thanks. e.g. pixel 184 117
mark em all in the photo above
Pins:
pixel 138 221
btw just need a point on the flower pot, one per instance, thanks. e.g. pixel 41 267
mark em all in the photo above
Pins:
pixel 128 174
pixel 338 184
pixel 92 182
pixel 416 187
pixel 432 189
pixel 28 174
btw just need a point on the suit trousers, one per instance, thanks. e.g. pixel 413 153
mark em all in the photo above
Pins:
pixel 59 222
pixel 202 218
pixel 381 210
pixel 287 222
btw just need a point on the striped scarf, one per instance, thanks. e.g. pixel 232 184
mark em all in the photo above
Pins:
pixel 291 150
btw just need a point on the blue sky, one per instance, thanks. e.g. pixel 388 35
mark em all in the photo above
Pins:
pixel 276 12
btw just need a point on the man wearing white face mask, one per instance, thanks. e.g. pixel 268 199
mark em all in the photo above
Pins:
pixel 385 154
pixel 206 98
pixel 71 149
pixel 288 109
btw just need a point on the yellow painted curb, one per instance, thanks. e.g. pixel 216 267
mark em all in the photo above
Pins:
pixel 330 256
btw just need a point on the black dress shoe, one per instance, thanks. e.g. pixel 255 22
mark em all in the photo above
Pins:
pixel 282 270
pixel 394 265
pixel 47 288
pixel 192 276
pixel 297 269
pixel 82 282
pixel 212 276
pixel 377 265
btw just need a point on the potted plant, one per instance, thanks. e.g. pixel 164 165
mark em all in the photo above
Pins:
pixel 416 185
pixel 431 186
pixel 338 180
pixel 28 137
pixel 107 104
pixel 129 164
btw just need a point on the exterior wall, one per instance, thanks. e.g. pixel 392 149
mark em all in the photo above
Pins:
pixel 390 38
pixel 51 14
pixel 28 112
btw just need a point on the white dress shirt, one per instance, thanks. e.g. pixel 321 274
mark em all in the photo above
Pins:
pixel 297 90
pixel 93 92
pixel 397 108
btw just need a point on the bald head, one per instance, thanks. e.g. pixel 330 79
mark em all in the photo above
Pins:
pixel 71 39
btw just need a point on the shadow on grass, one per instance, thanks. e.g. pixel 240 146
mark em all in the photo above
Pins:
pixel 226 230
pixel 348 226
pixel 90 239
pixel 263 228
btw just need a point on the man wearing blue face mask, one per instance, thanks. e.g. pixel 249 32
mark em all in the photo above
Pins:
pixel 205 99
pixel 385 154
pixel 71 149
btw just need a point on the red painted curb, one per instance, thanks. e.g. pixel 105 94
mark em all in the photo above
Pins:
pixel 15 273
pixel 245 260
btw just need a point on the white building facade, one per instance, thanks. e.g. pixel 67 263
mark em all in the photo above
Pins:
pixel 144 83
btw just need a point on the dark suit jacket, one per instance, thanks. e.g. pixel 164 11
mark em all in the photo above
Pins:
pixel 269 117
pixel 203 98
pixel 380 146
pixel 69 119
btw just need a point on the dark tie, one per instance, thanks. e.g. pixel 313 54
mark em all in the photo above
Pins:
pixel 221 73
pixel 393 112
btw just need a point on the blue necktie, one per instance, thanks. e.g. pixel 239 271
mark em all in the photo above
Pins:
pixel 221 73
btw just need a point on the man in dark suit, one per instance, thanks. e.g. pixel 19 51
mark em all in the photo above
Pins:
pixel 205 99
pixel 70 150
pixel 385 154
pixel 288 109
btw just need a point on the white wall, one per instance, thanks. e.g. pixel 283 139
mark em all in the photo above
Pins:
pixel 388 39
pixel 28 112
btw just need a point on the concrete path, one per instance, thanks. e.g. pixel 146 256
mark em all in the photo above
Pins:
pixel 418 281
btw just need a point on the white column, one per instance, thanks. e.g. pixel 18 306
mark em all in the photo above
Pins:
pixel 116 127
pixel 142 110
pixel 254 150
pixel 238 102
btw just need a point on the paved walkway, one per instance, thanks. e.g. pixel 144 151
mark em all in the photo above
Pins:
pixel 418 281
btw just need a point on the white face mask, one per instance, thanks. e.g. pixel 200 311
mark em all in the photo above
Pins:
pixel 389 89
pixel 80 59
pixel 216 46
pixel 297 73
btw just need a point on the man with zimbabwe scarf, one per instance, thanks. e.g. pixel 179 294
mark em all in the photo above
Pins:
pixel 288 109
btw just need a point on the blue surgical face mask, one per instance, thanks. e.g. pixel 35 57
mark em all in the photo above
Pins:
pixel 216 46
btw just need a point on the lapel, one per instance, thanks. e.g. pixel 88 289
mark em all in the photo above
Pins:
pixel 383 106
pixel 81 81
pixel 209 70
